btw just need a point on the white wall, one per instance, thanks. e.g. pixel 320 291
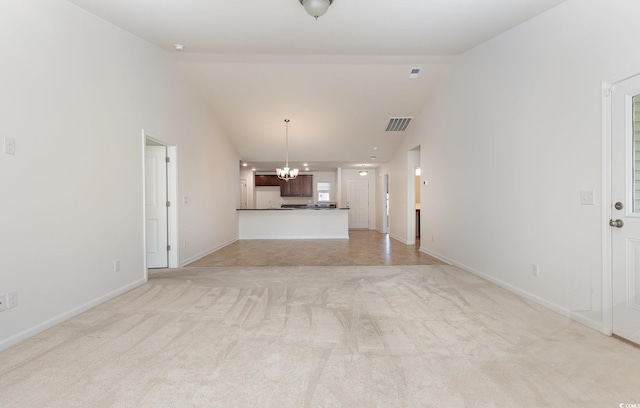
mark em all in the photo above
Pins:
pixel 509 140
pixel 76 94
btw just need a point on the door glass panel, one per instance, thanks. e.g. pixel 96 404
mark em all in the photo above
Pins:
pixel 636 152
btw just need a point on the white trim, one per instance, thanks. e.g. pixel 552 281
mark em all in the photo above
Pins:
pixel 607 272
pixel 68 315
pixel 595 325
pixel 172 193
pixel 205 253
pixel 397 238
pixel 386 180
pixel 143 159
pixel 413 160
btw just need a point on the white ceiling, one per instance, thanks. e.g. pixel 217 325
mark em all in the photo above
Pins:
pixel 339 79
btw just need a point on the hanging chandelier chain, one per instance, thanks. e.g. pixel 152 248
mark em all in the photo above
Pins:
pixel 286 150
pixel 286 173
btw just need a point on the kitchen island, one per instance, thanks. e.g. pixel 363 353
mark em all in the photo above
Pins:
pixel 294 223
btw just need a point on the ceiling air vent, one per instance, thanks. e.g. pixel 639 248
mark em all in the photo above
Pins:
pixel 414 73
pixel 398 124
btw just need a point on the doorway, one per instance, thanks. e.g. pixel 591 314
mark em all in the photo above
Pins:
pixel 358 203
pixel 623 209
pixel 413 162
pixel 160 204
pixel 385 205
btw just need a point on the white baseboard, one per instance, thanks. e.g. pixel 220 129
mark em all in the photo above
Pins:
pixel 590 323
pixel 595 325
pixel 194 258
pixel 15 339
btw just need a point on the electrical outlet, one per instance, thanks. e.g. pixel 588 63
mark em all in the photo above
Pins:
pixel 184 243
pixel 116 266
pixel 12 299
pixel 535 270
pixel 3 302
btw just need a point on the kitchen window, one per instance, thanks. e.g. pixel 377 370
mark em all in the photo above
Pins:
pixel 324 191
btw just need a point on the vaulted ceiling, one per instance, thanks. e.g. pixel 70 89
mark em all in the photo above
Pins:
pixel 339 79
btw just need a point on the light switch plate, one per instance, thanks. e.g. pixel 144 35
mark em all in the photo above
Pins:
pixel 587 197
pixel 9 146
pixel 12 299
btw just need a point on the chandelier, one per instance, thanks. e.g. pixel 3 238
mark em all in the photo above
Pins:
pixel 316 8
pixel 286 173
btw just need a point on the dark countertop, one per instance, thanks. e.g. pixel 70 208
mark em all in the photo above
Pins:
pixel 290 209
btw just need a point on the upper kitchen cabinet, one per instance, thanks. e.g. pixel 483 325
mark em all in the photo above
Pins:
pixel 267 180
pixel 301 186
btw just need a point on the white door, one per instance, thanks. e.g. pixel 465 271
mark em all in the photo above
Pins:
pixel 625 208
pixel 156 206
pixel 358 203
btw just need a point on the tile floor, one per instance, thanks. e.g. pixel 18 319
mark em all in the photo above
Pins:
pixel 363 248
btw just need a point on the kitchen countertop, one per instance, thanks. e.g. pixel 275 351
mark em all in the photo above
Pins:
pixel 291 209
pixel 293 222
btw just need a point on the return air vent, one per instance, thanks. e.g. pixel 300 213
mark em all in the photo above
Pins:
pixel 398 124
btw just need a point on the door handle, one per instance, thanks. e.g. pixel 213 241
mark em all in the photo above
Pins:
pixel 616 223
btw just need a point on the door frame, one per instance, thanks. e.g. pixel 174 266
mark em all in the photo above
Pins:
pixel 607 171
pixel 385 204
pixel 413 160
pixel 172 197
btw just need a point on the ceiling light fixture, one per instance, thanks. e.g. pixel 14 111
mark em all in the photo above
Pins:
pixel 286 173
pixel 316 8
pixel 363 172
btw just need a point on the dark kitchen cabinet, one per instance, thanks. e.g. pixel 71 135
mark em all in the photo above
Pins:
pixel 267 180
pixel 301 186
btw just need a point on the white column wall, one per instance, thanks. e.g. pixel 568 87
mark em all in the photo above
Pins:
pixel 76 94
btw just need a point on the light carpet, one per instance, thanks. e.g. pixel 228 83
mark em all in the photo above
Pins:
pixel 386 336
